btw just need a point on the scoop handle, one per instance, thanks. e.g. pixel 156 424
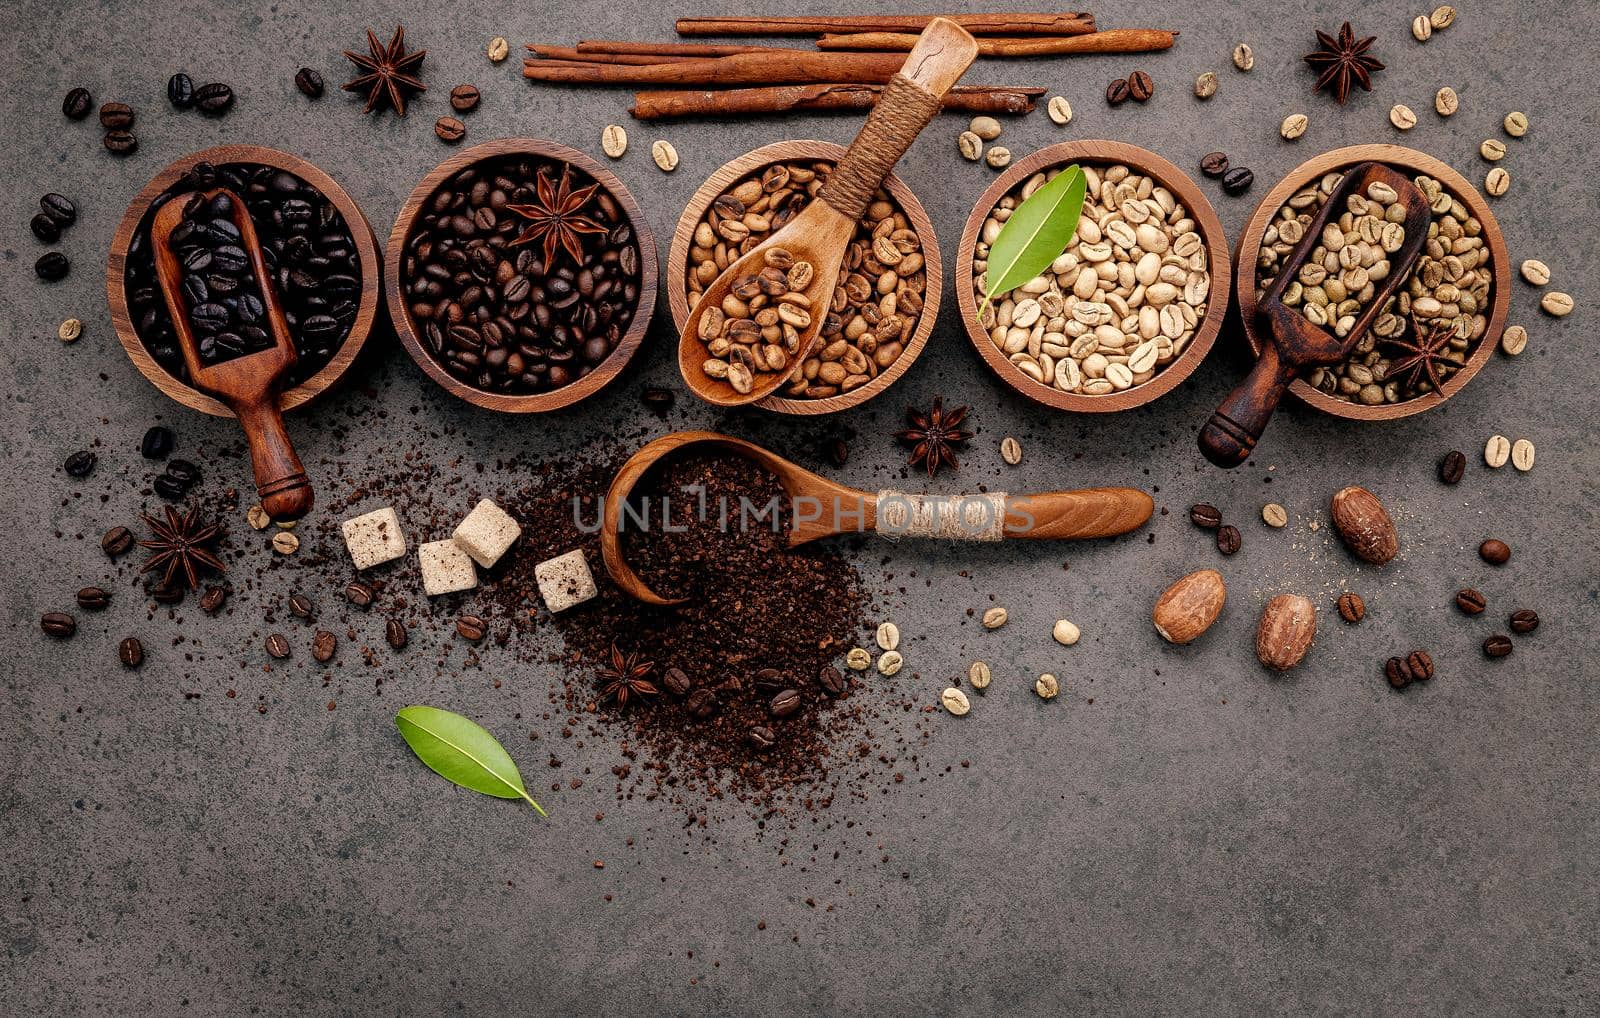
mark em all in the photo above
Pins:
pixel 1230 435
pixel 281 481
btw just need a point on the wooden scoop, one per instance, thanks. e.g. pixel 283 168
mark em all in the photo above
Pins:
pixel 1295 344
pixel 821 233
pixel 249 383
pixel 1052 515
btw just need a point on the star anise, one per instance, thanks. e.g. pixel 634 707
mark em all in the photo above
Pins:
pixel 625 676
pixel 388 76
pixel 557 217
pixel 182 546
pixel 1343 63
pixel 1424 355
pixel 933 435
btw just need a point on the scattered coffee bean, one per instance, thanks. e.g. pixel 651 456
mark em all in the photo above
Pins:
pixel 701 704
pixel 1516 124
pixel 300 606
pixel 359 594
pixel 69 330
pixel 1555 303
pixel 1498 645
pixel 130 652
pixel 1495 552
pixel 888 636
pixel 449 129
pixel 994 618
pixel 1237 180
pixel 1244 57
pixel 1497 182
pixel 1011 450
pixel 1492 149
pixel 93 598
pixel 309 82
pixel 1535 272
pixel 163 593
pixel 1524 620
pixel 80 463
pixel 52 266
pixel 257 517
pixel 998 157
pixel 1470 601
pixel 1446 102
pixel 858 659
pixel 395 632
pixel 832 681
pixel 1205 86
pixel 1421 28
pixel 116 541
pixel 955 701
pixel 890 662
pixel 285 543
pixel 979 675
pixel 657 399
pixel 1274 515
pixel 77 104
pixel 1401 116
pixel 45 229
pixel 785 703
pixel 1442 17
pixel 498 49
pixel 1351 607
pixel 120 143
pixel 1293 126
pixel 1228 539
pixel 969 145
pixel 1497 451
pixel 1046 686
pixel 1214 164
pixel 1452 467
pixel 180 91
pixel 213 599
pixel 1066 633
pixel 1117 92
pixel 323 644
pixel 1522 453
pixel 1140 87
pixel 987 128
pixel 761 737
pixel 1397 673
pixel 278 646
pixel 58 624
pixel 170 488
pixel 156 444
pixel 214 99
pixel 614 141
pixel 1059 110
pixel 471 628
pixel 464 98
pixel 116 116
pixel 59 209
pixel 665 155
pixel 1204 515
pixel 1420 664
pixel 676 681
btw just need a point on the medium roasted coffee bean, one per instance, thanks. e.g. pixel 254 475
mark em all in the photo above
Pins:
pixel 1524 620
pixel 80 463
pixel 163 593
pixel 832 681
pixel 120 143
pixel 785 703
pixel 450 130
pixel 213 599
pixel 77 104
pixel 59 208
pixel 1237 180
pixel 170 488
pixel 1420 665
pixel 1140 87
pixel 156 444
pixel 1214 164
pixel 1117 92
pixel 47 230
pixel 464 98
pixel 116 541
pixel 1397 673
pixel 1498 645
pixel 676 681
pixel 761 737
pixel 58 624
pixel 214 99
pixel 309 82
pixel 1470 601
pixel 278 646
pixel 130 652
pixel 702 703
pixel 657 399
pixel 323 644
pixel 769 681
pixel 300 606
pixel 1207 516
pixel 358 593
pixel 1228 540
pixel 180 90
pixel 395 632
pixel 1452 467
pixel 52 266
pixel 1351 607
pixel 116 116
pixel 838 452
pixel 1495 552
pixel 93 598
pixel 471 628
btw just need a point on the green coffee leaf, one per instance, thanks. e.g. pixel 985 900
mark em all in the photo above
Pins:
pixel 461 751
pixel 1036 234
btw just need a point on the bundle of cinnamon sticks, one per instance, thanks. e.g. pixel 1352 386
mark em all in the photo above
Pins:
pixel 855 56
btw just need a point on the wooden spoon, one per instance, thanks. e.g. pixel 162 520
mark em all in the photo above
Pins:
pixel 1052 515
pixel 821 233
pixel 249 383
pixel 1296 344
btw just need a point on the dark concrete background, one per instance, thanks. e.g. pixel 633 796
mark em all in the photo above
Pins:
pixel 1203 837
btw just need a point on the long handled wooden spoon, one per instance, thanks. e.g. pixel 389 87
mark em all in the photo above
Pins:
pixel 248 383
pixel 1295 343
pixel 817 238
pixel 821 508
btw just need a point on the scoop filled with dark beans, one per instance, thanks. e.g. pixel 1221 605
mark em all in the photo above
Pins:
pixel 227 311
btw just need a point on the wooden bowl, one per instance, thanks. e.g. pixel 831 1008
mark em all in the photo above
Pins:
pixel 826 151
pixel 1413 162
pixel 1170 177
pixel 573 392
pixel 134 219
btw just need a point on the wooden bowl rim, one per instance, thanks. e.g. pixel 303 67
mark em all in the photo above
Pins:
pixel 1249 246
pixel 607 370
pixel 366 240
pixel 1099 151
pixel 741 166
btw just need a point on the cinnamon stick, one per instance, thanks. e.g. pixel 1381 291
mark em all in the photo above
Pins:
pixel 567 53
pixel 736 102
pixel 667 49
pixel 1046 23
pixel 782 67
pixel 1114 40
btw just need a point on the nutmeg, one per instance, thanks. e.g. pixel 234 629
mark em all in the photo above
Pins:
pixel 1188 607
pixel 1288 625
pixel 1364 525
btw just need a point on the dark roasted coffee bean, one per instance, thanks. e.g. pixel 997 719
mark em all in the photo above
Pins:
pixel 1397 673
pixel 464 98
pixel 180 90
pixel 761 737
pixel 1470 601
pixel 323 644
pixel 838 452
pixel 93 598
pixel 676 681
pixel 1214 164
pixel 395 632
pixel 156 444
pixel 77 104
pixel 1140 87
pixel 471 628
pixel 1452 467
pixel 120 143
pixel 116 541
pixel 1351 608
pixel 1495 552
pixel 449 129
pixel 1117 92
pixel 130 652
pixel 59 208
pixel 769 681
pixel 214 598
pixel 214 99
pixel 1207 516
pixel 1228 539
pixel 657 399
pixel 47 230
pixel 278 646
pixel 309 82
pixel 1237 180
pixel 58 624
pixel 79 464
pixel 1524 620
pixel 1420 665
pixel 785 703
pixel 702 703
pixel 1498 645
pixel 116 116
pixel 170 488
pixel 183 472
pixel 52 266
pixel 300 606
pixel 358 593
pixel 165 593
pixel 832 681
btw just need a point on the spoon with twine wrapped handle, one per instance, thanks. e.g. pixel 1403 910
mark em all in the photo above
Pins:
pixel 788 280
pixel 249 383
pixel 1295 343
pixel 818 507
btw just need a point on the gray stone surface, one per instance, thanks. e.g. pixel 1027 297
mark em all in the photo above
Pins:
pixel 1203 837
